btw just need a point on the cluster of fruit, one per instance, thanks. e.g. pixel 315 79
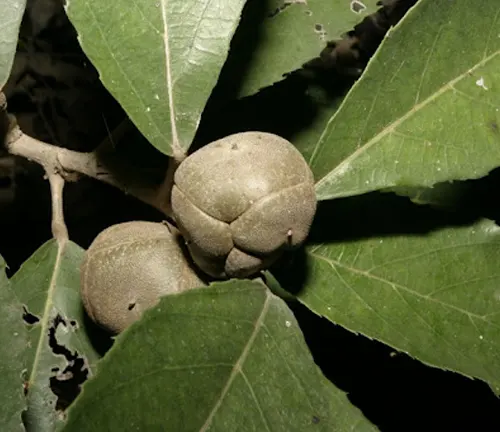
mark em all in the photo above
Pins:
pixel 238 203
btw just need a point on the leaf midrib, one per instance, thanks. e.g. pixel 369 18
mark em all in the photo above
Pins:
pixel 341 167
pixel 237 368
pixel 46 312
pixel 175 145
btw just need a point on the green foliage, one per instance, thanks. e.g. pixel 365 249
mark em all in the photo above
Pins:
pixel 425 110
pixel 283 34
pixel 434 296
pixel 160 59
pixel 229 357
pixel 12 13
pixel 48 287
pixel 13 340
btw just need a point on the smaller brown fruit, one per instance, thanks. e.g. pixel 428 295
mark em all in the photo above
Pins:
pixel 128 268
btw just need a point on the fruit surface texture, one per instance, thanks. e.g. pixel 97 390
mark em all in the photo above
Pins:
pixel 241 201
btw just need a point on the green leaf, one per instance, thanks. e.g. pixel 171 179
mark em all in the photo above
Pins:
pixel 229 357
pixel 432 293
pixel 284 34
pixel 48 286
pixel 160 59
pixel 13 339
pixel 10 20
pixel 425 110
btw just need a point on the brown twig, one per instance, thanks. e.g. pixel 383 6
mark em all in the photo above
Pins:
pixel 59 230
pixel 163 197
pixel 68 164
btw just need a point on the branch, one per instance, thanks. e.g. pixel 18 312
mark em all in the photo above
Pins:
pixel 164 193
pixel 59 230
pixel 66 163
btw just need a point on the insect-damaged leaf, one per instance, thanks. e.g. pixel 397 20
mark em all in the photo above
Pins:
pixel 279 36
pixel 397 277
pixel 10 20
pixel 13 340
pixel 58 348
pixel 160 59
pixel 426 110
pixel 225 358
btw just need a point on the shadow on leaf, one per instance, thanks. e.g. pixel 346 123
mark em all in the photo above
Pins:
pixel 380 214
pixel 388 386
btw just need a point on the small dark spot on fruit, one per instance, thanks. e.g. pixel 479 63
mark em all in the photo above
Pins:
pixel 308 12
pixel 131 306
pixel 315 419
pixel 54 369
pixel 494 126
pixel 73 323
pixel 318 27
pixel 234 147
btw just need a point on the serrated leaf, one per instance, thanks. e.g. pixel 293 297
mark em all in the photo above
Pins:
pixel 288 34
pixel 425 111
pixel 160 59
pixel 432 293
pixel 10 20
pixel 13 338
pixel 225 358
pixel 48 286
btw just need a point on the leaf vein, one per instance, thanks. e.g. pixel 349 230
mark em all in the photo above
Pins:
pixel 257 404
pixel 409 290
pixel 239 363
pixel 177 151
pixel 343 165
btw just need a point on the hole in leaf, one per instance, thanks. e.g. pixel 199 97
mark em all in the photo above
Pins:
pixel 278 10
pixel 357 6
pixel 66 384
pixel 29 318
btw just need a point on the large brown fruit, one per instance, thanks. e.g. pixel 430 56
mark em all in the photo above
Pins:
pixel 240 201
pixel 127 269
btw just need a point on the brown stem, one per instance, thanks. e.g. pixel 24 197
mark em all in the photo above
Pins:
pixel 163 196
pixel 59 230
pixel 67 162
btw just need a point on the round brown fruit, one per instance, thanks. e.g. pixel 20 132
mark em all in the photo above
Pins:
pixel 240 201
pixel 127 269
